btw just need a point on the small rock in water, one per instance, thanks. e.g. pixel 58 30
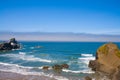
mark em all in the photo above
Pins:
pixel 87 78
pixel 45 67
pixel 65 66
pixel 57 68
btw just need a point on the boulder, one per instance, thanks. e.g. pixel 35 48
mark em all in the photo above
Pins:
pixel 57 68
pixel 107 60
pixel 12 44
pixel 87 78
pixel 65 66
pixel 45 67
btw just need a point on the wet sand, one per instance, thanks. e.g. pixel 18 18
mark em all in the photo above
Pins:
pixel 16 76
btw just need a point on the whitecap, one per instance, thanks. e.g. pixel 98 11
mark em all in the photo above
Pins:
pixel 87 55
pixel 85 59
pixel 22 53
pixel 15 68
pixel 23 56
pixel 81 71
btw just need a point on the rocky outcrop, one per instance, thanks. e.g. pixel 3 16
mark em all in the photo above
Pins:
pixel 12 44
pixel 107 61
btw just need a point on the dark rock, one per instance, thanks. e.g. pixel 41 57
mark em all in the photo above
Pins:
pixel 57 68
pixel 5 46
pixel 45 67
pixel 87 78
pixel 94 65
pixel 12 44
pixel 12 40
pixel 65 66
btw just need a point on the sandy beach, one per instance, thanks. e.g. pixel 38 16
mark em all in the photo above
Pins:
pixel 16 76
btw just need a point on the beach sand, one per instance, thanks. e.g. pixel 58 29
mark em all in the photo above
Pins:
pixel 16 76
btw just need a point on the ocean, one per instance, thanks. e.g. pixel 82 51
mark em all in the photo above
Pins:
pixel 32 56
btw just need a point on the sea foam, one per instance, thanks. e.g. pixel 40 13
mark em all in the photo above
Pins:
pixel 23 56
pixel 87 55
pixel 15 68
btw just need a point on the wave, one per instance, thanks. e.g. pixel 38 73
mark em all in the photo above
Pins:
pixel 82 71
pixel 23 56
pixel 87 55
pixel 6 67
pixel 86 59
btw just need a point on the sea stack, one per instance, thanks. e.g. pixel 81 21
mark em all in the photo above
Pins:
pixel 107 61
pixel 11 44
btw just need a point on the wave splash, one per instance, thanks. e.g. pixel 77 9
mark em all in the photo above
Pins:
pixel 26 71
pixel 23 56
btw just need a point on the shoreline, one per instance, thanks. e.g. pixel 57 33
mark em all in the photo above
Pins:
pixel 16 76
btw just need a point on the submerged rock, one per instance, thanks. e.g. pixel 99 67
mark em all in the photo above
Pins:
pixel 12 44
pixel 107 61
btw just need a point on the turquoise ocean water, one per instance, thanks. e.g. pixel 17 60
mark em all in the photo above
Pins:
pixel 30 59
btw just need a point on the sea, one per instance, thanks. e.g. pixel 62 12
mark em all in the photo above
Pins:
pixel 32 56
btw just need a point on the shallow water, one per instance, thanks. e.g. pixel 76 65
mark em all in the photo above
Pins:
pixel 30 58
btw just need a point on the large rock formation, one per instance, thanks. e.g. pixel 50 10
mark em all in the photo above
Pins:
pixel 12 44
pixel 107 61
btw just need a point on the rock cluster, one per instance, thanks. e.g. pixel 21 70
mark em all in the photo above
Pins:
pixel 107 61
pixel 12 44
pixel 57 68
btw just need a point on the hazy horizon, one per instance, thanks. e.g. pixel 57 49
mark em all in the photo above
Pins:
pixel 59 36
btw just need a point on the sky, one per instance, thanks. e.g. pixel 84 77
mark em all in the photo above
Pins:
pixel 76 16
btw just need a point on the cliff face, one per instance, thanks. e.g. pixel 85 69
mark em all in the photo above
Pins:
pixel 107 60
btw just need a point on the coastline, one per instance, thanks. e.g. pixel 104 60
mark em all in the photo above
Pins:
pixel 16 76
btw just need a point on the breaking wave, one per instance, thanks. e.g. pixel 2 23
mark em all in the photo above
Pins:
pixel 26 71
pixel 23 56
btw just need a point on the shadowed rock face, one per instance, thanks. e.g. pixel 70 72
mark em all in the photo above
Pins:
pixel 12 44
pixel 107 61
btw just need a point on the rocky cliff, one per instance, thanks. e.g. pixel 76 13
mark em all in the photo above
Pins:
pixel 12 44
pixel 107 61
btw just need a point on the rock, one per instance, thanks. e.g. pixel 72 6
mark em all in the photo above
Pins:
pixel 12 44
pixel 12 40
pixel 65 66
pixel 87 78
pixel 116 75
pixel 94 65
pixel 45 67
pixel 5 46
pixel 107 61
pixel 57 68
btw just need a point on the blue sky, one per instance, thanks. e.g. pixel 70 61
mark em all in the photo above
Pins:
pixel 77 16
